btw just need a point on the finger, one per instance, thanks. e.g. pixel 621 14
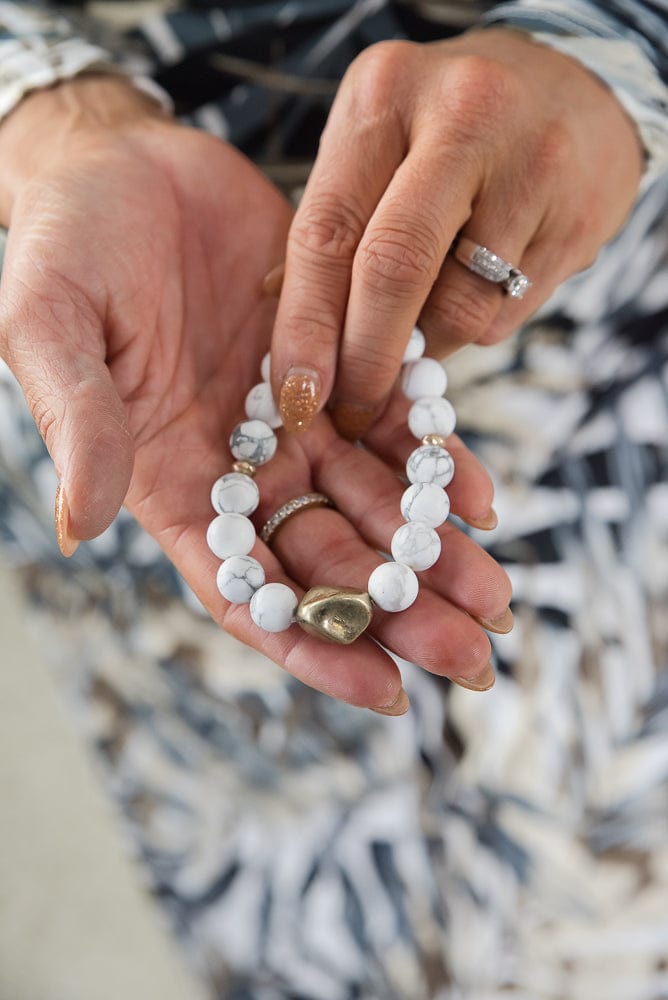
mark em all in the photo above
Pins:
pixel 395 267
pixel 463 304
pixel 55 351
pixel 547 266
pixel 519 215
pixel 359 151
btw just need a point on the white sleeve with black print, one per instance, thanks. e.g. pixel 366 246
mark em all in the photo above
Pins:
pixel 39 48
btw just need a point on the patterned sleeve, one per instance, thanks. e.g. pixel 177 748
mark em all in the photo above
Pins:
pixel 38 48
pixel 624 42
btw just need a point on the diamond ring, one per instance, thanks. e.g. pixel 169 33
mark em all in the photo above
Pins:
pixel 491 267
pixel 291 508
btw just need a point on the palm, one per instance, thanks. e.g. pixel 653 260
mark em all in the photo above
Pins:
pixel 157 266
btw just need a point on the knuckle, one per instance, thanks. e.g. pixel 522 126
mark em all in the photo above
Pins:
pixel 398 259
pixel 316 325
pixel 456 312
pixel 479 90
pixel 362 108
pixel 378 67
pixel 45 420
pixel 327 226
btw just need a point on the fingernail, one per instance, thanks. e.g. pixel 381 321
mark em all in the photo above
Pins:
pixel 352 420
pixel 67 543
pixel 481 682
pixel 273 281
pixel 503 624
pixel 486 523
pixel 299 399
pixel 399 706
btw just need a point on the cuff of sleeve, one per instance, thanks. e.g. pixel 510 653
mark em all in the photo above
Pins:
pixel 43 63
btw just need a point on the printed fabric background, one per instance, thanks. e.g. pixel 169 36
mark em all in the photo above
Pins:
pixel 484 847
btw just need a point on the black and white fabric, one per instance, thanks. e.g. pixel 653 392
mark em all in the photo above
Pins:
pixel 505 846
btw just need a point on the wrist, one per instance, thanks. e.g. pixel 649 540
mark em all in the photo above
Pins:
pixel 53 124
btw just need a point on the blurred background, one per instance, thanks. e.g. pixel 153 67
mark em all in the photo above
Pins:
pixel 75 920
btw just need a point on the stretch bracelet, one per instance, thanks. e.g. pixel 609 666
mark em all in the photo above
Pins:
pixel 336 614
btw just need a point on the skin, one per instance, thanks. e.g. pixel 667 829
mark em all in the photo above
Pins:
pixel 132 313
pixel 510 143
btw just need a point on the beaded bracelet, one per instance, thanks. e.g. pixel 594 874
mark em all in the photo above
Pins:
pixel 337 614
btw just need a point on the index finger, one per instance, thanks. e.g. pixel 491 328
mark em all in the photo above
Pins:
pixel 362 145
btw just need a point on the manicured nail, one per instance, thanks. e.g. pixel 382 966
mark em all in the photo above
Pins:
pixel 486 523
pixel 300 398
pixel 399 706
pixel 352 420
pixel 273 281
pixel 67 543
pixel 481 682
pixel 503 624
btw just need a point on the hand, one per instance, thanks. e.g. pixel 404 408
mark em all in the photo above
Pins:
pixel 132 313
pixel 490 134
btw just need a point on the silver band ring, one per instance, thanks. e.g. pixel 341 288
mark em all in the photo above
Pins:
pixel 491 267
pixel 289 509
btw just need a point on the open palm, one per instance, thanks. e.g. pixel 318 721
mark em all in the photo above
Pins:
pixel 133 315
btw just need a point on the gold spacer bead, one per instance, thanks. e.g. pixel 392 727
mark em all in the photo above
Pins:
pixel 434 439
pixel 245 468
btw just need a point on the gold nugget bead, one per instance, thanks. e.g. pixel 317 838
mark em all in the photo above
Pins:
pixel 338 614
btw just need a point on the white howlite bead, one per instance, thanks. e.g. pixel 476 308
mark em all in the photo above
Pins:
pixel 432 415
pixel 265 367
pixel 235 493
pixel 254 441
pixel 393 586
pixel 273 607
pixel 425 502
pixel 415 346
pixel 239 577
pixel 425 377
pixel 416 545
pixel 260 405
pixel 430 464
pixel 230 535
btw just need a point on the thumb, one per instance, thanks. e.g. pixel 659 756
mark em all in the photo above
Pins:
pixel 82 420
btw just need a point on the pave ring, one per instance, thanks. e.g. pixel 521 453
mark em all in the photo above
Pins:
pixel 491 267
pixel 291 508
